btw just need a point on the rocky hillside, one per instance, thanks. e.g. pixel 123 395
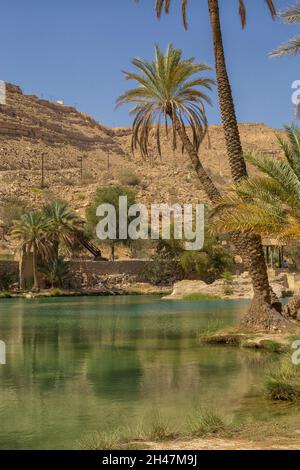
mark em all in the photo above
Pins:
pixel 32 129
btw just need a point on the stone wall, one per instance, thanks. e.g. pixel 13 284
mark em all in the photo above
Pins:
pixel 86 273
pixel 89 273
pixel 10 268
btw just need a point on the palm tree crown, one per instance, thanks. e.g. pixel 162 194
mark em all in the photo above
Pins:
pixel 32 231
pixel 291 15
pixel 164 5
pixel 168 88
pixel 64 223
pixel 268 204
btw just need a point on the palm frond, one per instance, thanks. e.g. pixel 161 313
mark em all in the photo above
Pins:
pixel 278 169
pixel 267 204
pixel 292 14
pixel 164 6
pixel 290 48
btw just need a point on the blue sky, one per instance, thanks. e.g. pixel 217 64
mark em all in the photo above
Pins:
pixel 74 50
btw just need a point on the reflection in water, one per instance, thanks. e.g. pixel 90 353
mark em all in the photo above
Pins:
pixel 80 365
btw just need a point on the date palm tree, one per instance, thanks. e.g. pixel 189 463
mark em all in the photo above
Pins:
pixel 228 114
pixel 292 47
pixel 171 90
pixel 249 246
pixel 267 204
pixel 168 91
pixel 32 232
pixel 64 224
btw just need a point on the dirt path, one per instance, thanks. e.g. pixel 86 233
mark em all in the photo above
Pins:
pixel 228 444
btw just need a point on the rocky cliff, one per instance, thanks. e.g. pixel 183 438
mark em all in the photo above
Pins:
pixel 32 130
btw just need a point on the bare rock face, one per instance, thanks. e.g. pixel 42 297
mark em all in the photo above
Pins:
pixel 292 310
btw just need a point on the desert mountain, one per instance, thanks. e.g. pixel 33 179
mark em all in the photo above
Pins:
pixel 32 130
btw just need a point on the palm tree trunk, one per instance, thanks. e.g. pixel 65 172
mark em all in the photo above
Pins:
pixel 34 267
pixel 261 313
pixel 228 115
pixel 21 268
pixel 249 246
pixel 112 251
pixel 55 248
pixel 208 185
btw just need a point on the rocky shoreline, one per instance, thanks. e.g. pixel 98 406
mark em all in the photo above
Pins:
pixel 240 288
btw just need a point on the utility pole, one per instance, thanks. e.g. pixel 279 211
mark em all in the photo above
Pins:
pixel 80 160
pixel 108 159
pixel 43 169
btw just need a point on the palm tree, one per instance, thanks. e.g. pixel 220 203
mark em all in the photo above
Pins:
pixel 228 114
pixel 267 204
pixel 32 231
pixel 161 97
pixel 64 224
pixel 169 89
pixel 291 16
pixel 249 246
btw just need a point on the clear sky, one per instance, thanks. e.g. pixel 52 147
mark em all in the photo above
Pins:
pixel 74 50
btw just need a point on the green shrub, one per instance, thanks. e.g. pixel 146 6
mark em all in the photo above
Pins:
pixel 227 283
pixel 162 271
pixel 56 272
pixel 109 195
pixel 6 280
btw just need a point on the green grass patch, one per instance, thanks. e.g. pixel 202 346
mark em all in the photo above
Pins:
pixel 206 422
pixel 272 346
pixel 283 382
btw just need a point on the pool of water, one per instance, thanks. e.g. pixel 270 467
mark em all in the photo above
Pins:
pixel 80 365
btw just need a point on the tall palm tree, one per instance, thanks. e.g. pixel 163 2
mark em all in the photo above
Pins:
pixel 249 246
pixel 268 204
pixel 170 90
pixel 291 16
pixel 64 224
pixel 228 114
pixel 32 231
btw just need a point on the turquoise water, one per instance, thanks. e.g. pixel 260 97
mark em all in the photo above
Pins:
pixel 79 365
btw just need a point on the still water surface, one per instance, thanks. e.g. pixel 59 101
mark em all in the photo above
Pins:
pixel 80 365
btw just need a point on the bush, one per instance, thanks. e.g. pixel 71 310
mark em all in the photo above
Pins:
pixel 162 271
pixel 165 268
pixel 227 283
pixel 172 262
pixel 6 280
pixel 130 179
pixel 208 264
pixel 195 262
pixel 109 195
pixel 56 272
